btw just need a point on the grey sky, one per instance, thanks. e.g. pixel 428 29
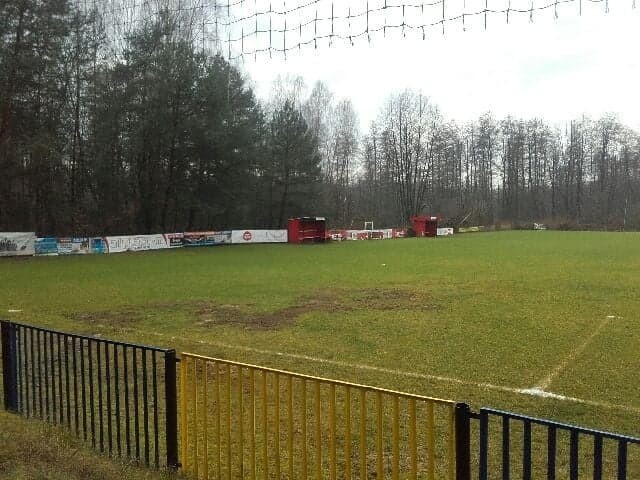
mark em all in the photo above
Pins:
pixel 552 68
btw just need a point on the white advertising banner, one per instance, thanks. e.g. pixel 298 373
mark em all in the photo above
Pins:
pixel 259 236
pixel 443 232
pixel 17 243
pixel 136 243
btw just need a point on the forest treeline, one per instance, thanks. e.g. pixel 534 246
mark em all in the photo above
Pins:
pixel 156 132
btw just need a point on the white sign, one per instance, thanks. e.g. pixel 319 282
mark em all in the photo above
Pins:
pixel 136 243
pixel 17 243
pixel 443 232
pixel 259 236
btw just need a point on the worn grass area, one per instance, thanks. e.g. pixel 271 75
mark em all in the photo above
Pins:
pixel 34 450
pixel 487 314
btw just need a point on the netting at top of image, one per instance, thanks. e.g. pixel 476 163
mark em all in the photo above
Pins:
pixel 250 28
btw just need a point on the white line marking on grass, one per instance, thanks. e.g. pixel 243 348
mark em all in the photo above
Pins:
pixel 535 391
pixel 544 383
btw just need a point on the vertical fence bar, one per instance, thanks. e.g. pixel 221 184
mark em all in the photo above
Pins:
pixel 228 435
pixel 136 417
pixel 290 425
pixel 92 400
pixel 127 400
pixel 333 465
pixel 171 409
pixel 362 451
pixel 395 433
pixel 205 420
pixel 76 413
pixel 184 422
pixel 483 466
pixel 100 403
pixel 67 381
pixel 45 354
pixel 34 404
pixel 54 402
pixel 194 409
pixel 277 423
pixel 451 450
pixel 463 441
pixel 218 421
pixel 107 371
pixel 379 437
pixel 154 385
pixel 252 423
pixel 573 455
pixel 60 383
pixel 526 451
pixel 347 432
pixel 240 421
pixel 318 430
pixel 551 453
pixel 145 405
pixel 413 444
pixel 303 420
pixel 9 366
pixel 265 429
pixel 39 347
pixel 506 437
pixel 622 460
pixel 597 458
pixel 116 383
pixel 431 442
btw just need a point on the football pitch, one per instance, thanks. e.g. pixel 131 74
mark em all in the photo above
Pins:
pixel 541 323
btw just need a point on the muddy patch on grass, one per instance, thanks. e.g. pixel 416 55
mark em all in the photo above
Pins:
pixel 335 302
pixel 206 313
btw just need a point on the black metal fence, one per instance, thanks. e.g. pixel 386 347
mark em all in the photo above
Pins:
pixel 119 397
pixel 529 447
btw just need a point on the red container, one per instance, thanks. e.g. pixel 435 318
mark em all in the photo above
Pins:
pixel 425 226
pixel 307 229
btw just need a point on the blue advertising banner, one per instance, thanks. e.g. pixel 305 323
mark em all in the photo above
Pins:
pixel 47 246
pixel 98 245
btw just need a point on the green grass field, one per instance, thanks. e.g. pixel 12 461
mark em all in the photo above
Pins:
pixel 474 318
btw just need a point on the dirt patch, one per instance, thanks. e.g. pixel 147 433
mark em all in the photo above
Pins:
pixel 326 302
pixel 244 316
pixel 390 299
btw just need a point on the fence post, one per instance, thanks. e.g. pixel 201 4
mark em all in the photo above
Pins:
pixel 171 398
pixel 463 441
pixel 9 365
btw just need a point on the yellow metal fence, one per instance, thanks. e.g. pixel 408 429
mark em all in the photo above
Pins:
pixel 244 421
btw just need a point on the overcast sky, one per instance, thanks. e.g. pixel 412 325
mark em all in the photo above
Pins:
pixel 552 68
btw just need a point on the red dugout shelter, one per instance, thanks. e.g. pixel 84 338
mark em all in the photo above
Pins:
pixel 307 229
pixel 425 226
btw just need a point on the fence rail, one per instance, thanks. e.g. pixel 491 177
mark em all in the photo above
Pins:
pixel 603 455
pixel 119 397
pixel 245 421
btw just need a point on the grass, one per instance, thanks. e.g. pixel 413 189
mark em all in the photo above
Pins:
pixel 505 309
pixel 33 450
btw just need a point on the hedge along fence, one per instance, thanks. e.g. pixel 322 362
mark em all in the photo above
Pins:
pixel 245 421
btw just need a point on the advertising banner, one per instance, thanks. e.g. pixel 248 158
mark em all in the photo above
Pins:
pixel 206 239
pixel 443 232
pixel 73 246
pixel 136 243
pixel 46 246
pixel 259 236
pixel 98 245
pixel 17 243
pixel 174 240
